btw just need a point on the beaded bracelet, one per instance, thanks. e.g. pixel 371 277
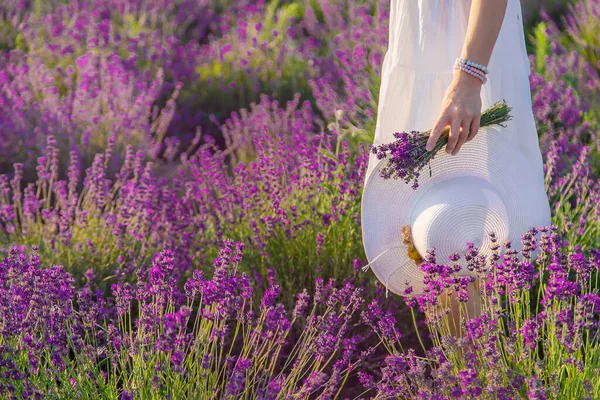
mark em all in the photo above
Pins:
pixel 482 68
pixel 470 68
pixel 472 71
pixel 483 79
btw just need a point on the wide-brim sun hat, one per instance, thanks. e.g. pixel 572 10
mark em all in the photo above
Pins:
pixel 489 186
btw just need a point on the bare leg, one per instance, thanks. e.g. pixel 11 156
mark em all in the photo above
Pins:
pixel 473 305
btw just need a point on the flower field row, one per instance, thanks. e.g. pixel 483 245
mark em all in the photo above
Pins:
pixel 180 212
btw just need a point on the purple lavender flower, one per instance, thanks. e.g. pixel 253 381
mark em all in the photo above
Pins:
pixel 529 331
pixel 407 155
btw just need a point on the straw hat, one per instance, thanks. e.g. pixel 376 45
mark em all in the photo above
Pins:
pixel 488 186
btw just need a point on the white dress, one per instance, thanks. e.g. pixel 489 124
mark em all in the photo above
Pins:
pixel 425 38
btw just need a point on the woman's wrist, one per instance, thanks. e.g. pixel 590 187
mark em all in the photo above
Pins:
pixel 465 79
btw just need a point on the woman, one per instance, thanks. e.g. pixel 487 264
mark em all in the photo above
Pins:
pixel 425 83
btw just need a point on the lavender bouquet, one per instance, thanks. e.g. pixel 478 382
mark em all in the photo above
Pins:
pixel 407 155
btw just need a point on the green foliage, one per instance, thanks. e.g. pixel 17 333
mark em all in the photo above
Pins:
pixel 585 37
pixel 271 66
pixel 542 47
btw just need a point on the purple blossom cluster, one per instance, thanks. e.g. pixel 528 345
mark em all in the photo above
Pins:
pixel 537 315
pixel 153 73
pixel 265 350
pixel 179 210
pixel 406 157
pixel 357 39
pixel 565 86
pixel 287 184
pixel 83 105
pixel 150 325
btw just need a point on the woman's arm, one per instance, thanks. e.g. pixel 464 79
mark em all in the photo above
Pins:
pixel 461 106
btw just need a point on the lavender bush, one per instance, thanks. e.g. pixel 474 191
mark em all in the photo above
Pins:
pixel 566 92
pixel 563 73
pixel 534 336
pixel 296 203
pixel 179 209
pixel 185 65
pixel 81 107
pixel 356 38
pixel 151 339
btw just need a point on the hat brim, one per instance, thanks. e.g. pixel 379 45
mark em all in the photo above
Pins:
pixel 387 204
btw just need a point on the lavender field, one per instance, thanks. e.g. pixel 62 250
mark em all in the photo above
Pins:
pixel 180 187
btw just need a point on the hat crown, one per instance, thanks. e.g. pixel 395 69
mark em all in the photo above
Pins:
pixel 455 211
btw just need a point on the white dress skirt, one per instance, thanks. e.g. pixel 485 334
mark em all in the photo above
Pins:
pixel 425 38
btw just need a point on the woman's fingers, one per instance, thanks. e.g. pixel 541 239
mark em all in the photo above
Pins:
pixel 461 131
pixel 454 135
pixel 474 128
pixel 465 129
pixel 436 131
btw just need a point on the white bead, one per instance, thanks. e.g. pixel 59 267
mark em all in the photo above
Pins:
pixel 473 64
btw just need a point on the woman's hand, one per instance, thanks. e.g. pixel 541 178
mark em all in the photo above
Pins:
pixel 461 110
